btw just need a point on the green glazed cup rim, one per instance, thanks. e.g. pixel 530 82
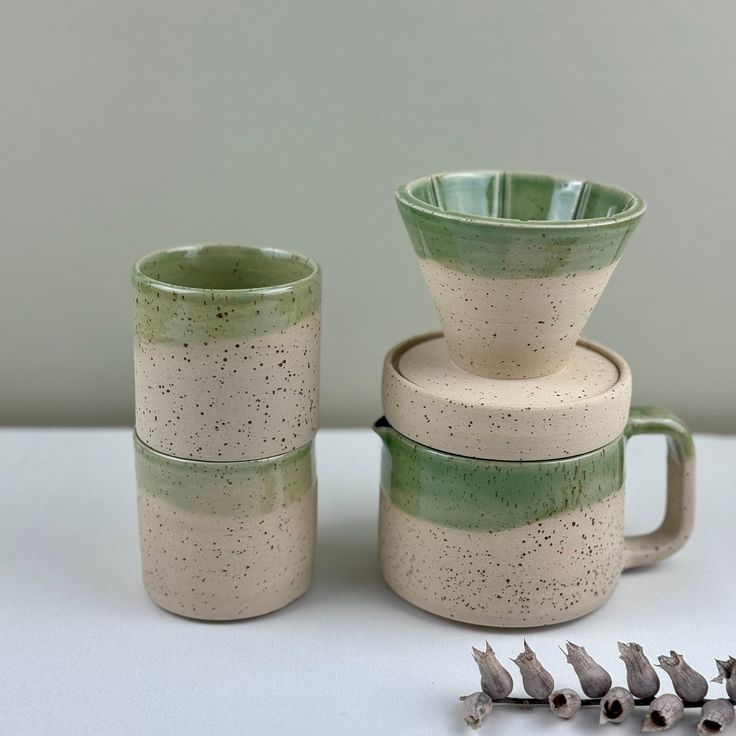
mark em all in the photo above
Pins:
pixel 139 276
pixel 406 196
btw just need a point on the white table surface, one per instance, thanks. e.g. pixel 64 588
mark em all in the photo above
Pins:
pixel 83 650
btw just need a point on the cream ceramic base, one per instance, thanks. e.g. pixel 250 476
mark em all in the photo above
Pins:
pixel 220 568
pixel 230 399
pixel 513 327
pixel 542 573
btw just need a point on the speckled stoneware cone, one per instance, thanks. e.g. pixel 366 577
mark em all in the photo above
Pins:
pixel 222 541
pixel 502 543
pixel 515 262
pixel 226 351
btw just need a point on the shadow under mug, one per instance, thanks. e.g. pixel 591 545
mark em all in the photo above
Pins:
pixel 518 544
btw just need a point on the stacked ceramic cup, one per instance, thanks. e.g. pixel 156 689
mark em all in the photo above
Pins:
pixel 502 485
pixel 226 387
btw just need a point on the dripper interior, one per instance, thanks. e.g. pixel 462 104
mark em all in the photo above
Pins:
pixel 521 196
pixel 225 267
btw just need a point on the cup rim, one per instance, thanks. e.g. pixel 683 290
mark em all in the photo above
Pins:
pixel 141 277
pixel 185 461
pixel 633 210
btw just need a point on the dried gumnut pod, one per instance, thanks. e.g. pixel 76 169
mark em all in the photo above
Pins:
pixel 594 680
pixel 495 681
pixel 664 711
pixel 564 703
pixel 727 672
pixel 716 716
pixel 641 677
pixel 537 681
pixel 616 705
pixel 689 684
pixel 475 708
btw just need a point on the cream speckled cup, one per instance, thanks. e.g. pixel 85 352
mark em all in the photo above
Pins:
pixel 226 351
pixel 222 541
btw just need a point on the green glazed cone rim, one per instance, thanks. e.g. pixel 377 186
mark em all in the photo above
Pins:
pixel 633 210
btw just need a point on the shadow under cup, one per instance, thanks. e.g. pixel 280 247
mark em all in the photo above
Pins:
pixel 226 351
pixel 515 262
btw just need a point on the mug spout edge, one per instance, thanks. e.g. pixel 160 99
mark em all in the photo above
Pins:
pixel 382 428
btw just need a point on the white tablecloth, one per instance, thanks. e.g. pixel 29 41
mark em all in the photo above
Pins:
pixel 83 650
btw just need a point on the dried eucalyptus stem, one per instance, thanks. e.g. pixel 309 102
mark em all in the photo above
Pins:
pixel 584 702
pixel 617 705
pixel 716 715
pixel 537 681
pixel 641 677
pixel 727 672
pixel 664 711
pixel 495 681
pixel 688 684
pixel 475 708
pixel 614 703
pixel 564 703
pixel 594 680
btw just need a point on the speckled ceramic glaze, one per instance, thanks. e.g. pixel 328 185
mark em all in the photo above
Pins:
pixel 226 351
pixel 427 398
pixel 222 540
pixel 515 262
pixel 501 543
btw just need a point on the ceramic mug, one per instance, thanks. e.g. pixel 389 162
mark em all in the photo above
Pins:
pixel 501 543
pixel 226 351
pixel 515 262
pixel 222 540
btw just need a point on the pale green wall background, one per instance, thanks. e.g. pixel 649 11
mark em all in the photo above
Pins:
pixel 129 126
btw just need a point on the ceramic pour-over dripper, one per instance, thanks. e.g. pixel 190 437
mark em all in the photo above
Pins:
pixel 515 262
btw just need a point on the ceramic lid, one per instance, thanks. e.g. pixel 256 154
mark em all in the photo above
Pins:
pixel 432 401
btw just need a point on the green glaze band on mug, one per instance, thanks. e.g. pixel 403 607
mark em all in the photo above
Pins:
pixel 227 343
pixel 221 291
pixel 250 488
pixel 517 225
pixel 471 494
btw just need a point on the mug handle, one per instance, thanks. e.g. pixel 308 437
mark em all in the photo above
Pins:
pixel 645 549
